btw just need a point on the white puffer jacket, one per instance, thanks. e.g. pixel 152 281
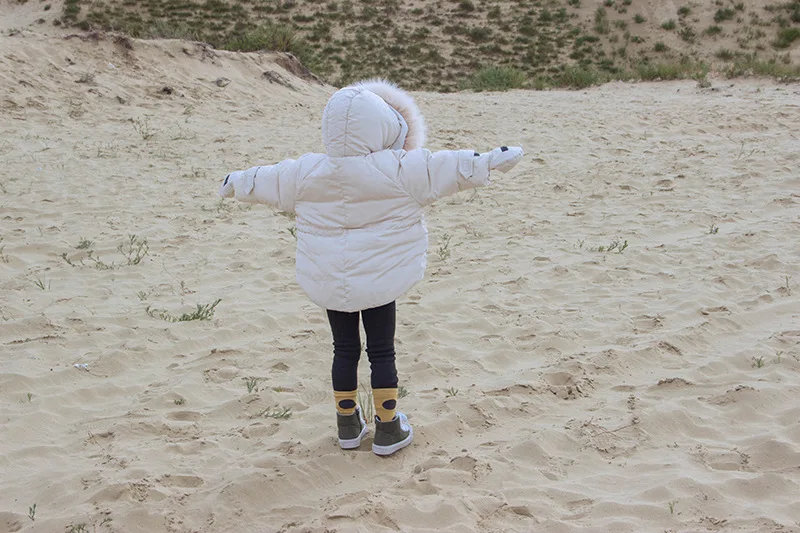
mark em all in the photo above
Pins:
pixel 362 240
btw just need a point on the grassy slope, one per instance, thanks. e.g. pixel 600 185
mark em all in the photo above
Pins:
pixel 441 45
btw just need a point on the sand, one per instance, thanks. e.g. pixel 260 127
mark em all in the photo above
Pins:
pixel 553 385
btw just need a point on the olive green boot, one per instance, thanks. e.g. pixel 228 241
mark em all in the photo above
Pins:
pixel 352 428
pixel 392 436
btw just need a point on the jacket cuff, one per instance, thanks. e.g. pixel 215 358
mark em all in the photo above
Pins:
pixel 243 183
pixel 479 163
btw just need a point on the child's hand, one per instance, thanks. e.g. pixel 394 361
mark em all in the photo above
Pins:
pixel 505 158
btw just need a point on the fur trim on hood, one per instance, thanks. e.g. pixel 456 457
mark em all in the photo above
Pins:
pixel 403 103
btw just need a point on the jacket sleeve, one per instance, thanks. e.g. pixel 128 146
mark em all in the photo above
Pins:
pixel 274 185
pixel 429 176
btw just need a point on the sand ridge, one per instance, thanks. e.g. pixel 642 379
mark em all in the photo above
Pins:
pixel 554 385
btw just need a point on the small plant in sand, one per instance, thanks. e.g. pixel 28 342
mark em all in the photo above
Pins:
pixel 143 128
pixel 672 505
pixel 86 77
pixel 470 229
pixel 277 412
pixel 184 288
pixel 84 244
pixel 713 229
pixel 787 287
pixel 134 250
pixel 30 397
pixel 42 283
pixel 293 231
pixel 758 362
pixel 69 261
pixel 32 512
pixel 365 401
pixel 615 246
pixel 451 392
pixel 179 401
pixel 402 392
pixel 702 81
pixel 222 206
pixel 98 264
pixel 203 312
pixel 742 149
pixel 251 384
pixel 194 174
pixel 3 256
pixel 83 527
pixel 443 251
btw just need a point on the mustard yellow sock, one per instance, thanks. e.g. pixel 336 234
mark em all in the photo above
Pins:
pixel 345 401
pixel 385 403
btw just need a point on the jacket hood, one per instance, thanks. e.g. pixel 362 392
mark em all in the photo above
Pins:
pixel 370 116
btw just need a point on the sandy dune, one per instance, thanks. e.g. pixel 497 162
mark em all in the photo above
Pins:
pixel 554 386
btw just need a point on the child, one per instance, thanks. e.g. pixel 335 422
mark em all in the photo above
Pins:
pixel 361 236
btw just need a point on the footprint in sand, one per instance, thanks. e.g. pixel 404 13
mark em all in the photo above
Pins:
pixel 182 481
pixel 184 416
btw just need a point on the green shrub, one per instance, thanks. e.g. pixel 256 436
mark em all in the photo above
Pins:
pixel 724 14
pixel 725 54
pixel 785 37
pixel 669 25
pixel 164 29
pixel 601 24
pixel 479 34
pixel 577 77
pixel 687 34
pixel 466 6
pixel 670 71
pixel 497 79
pixel 71 10
pixel 267 37
pixel 750 66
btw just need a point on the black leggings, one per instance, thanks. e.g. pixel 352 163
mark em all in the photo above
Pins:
pixel 379 325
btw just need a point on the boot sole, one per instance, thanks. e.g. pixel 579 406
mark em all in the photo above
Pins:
pixel 389 450
pixel 350 444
